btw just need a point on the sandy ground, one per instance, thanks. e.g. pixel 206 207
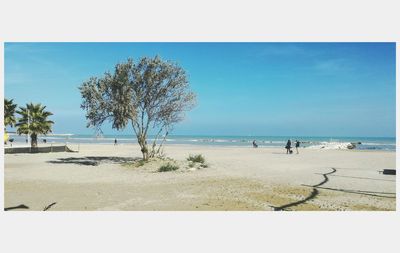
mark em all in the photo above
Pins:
pixel 106 177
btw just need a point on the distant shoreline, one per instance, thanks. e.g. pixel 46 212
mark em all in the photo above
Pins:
pixel 75 146
pixel 362 143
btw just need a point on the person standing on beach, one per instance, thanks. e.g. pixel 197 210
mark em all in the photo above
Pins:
pixel 115 142
pixel 288 146
pixel 255 144
pixel 297 146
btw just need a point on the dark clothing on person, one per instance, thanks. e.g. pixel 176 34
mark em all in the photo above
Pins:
pixel 288 146
pixel 115 141
pixel 255 144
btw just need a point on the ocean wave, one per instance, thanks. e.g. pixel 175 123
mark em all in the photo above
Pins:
pixel 330 145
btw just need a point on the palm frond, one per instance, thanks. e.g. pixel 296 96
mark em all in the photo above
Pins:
pixel 34 120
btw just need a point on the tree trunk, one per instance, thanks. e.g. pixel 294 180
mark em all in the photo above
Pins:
pixel 33 140
pixel 143 147
pixel 145 153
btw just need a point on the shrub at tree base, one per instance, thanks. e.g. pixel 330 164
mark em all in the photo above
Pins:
pixel 168 167
pixel 196 159
pixel 135 164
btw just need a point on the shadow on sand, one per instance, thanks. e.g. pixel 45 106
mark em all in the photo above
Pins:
pixel 312 195
pixel 16 207
pixel 27 207
pixel 49 206
pixel 366 178
pixel 94 160
pixel 315 191
pixel 390 195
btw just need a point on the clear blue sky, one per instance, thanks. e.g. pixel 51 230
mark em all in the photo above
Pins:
pixel 301 89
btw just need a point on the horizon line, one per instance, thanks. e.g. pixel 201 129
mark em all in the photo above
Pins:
pixel 234 135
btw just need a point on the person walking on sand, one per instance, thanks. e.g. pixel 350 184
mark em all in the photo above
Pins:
pixel 288 146
pixel 297 146
pixel 115 142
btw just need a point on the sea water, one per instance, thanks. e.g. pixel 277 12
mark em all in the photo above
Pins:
pixel 326 142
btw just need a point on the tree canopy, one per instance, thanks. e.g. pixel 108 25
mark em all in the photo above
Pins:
pixel 150 94
pixel 34 120
pixel 9 112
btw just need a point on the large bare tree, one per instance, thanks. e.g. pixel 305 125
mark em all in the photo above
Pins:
pixel 151 95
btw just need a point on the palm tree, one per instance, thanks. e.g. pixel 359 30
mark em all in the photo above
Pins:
pixel 34 121
pixel 9 113
pixel 9 116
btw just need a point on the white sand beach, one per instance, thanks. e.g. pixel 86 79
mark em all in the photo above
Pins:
pixel 103 177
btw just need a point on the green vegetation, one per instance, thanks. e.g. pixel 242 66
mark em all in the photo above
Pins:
pixel 196 159
pixel 34 121
pixel 168 167
pixel 9 113
pixel 135 164
pixel 150 95
pixel 140 163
